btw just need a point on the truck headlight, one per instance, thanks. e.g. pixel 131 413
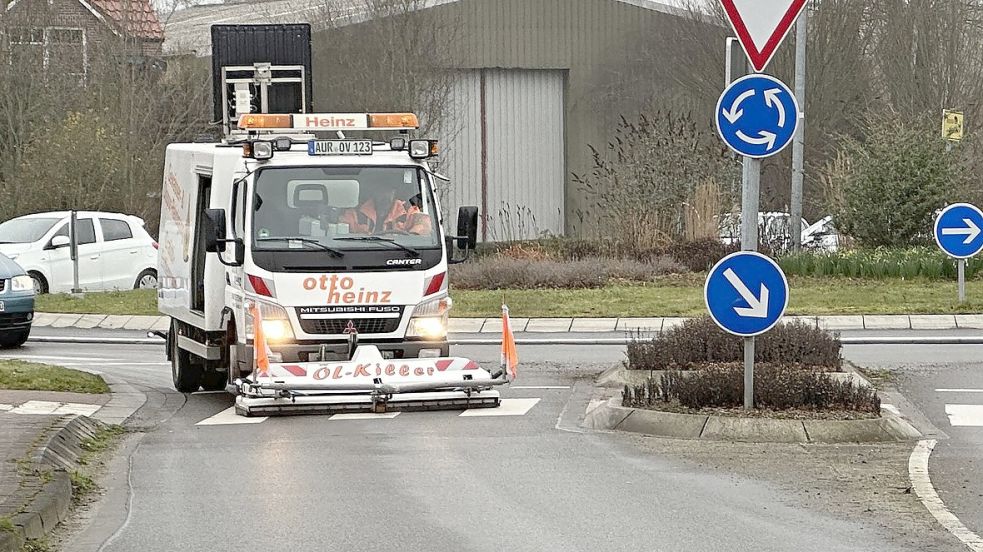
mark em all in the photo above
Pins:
pixel 22 283
pixel 276 323
pixel 431 327
pixel 429 319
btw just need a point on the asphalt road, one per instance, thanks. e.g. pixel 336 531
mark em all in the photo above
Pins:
pixel 429 481
pixel 942 380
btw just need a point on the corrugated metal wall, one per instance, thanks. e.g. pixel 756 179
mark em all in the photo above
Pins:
pixel 461 147
pixel 520 185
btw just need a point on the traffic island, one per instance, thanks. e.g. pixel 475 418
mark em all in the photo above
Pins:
pixel 688 383
pixel 47 440
pixel 611 415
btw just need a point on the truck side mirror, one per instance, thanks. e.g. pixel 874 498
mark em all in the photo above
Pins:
pixel 213 229
pixel 467 228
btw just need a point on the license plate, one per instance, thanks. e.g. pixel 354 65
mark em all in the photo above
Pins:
pixel 2 307
pixel 339 147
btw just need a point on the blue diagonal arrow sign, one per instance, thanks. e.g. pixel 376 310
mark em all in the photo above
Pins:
pixel 959 230
pixel 746 293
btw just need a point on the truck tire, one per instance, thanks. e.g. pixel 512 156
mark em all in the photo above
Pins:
pixel 186 374
pixel 214 381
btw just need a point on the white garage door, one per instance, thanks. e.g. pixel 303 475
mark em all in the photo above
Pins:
pixel 505 152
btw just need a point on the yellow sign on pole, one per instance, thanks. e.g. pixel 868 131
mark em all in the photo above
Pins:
pixel 952 125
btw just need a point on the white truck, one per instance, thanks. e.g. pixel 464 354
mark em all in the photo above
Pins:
pixel 326 243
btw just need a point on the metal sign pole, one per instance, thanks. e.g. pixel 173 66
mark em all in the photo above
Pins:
pixel 962 280
pixel 798 144
pixel 749 242
pixel 74 249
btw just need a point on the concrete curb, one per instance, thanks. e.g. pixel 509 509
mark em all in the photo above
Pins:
pixel 619 376
pixel 564 325
pixel 51 500
pixel 612 416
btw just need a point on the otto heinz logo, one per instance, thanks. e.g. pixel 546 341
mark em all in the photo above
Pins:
pixel 341 291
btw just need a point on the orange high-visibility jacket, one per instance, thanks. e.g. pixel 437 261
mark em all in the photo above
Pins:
pixel 365 219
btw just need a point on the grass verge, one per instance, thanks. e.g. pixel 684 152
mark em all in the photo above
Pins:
pixel 669 296
pixel 29 376
pixel 683 296
pixel 137 301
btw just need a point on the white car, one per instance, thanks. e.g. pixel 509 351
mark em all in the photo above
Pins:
pixel 114 251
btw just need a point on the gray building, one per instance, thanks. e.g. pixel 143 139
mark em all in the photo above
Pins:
pixel 535 84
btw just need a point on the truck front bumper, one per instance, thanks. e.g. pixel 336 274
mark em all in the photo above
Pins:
pixel 304 352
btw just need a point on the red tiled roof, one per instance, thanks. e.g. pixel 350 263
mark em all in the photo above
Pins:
pixel 134 17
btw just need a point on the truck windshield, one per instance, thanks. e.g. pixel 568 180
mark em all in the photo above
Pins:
pixel 333 205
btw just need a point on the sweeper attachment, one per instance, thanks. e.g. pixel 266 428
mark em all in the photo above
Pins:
pixel 368 383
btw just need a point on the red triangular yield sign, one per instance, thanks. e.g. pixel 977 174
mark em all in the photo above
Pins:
pixel 761 25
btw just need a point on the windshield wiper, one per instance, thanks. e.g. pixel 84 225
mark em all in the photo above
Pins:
pixel 305 241
pixel 378 239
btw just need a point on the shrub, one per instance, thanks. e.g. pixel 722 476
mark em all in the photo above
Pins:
pixel 884 190
pixel 699 341
pixel 881 263
pixel 508 273
pixel 776 387
pixel 693 255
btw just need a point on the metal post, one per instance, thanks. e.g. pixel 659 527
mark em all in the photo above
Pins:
pixel 729 61
pixel 798 144
pixel 962 280
pixel 748 373
pixel 749 242
pixel 73 248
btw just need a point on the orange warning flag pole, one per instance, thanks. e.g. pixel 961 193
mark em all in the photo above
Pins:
pixel 261 352
pixel 510 358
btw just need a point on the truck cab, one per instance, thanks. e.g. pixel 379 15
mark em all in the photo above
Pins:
pixel 329 239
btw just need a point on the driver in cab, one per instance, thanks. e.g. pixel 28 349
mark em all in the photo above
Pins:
pixel 383 213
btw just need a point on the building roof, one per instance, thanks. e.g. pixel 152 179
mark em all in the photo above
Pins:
pixel 188 31
pixel 134 17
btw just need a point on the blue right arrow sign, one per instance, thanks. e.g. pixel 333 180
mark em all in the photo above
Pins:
pixel 746 293
pixel 959 230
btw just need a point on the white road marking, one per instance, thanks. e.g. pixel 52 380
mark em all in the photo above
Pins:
pixel 50 407
pixel 37 407
pixel 229 417
pixel 77 409
pixel 891 408
pixel 959 390
pixel 922 483
pixel 594 403
pixel 965 415
pixel 364 416
pixel 44 357
pixel 539 387
pixel 509 407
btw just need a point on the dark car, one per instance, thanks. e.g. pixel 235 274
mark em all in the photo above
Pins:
pixel 16 303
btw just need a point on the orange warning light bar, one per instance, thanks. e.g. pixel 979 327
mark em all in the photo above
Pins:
pixel 393 120
pixel 261 121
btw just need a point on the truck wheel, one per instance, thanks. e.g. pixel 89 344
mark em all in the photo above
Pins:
pixel 14 339
pixel 186 375
pixel 214 381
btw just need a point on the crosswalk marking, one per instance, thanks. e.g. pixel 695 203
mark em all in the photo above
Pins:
pixel 965 415
pixel 364 416
pixel 509 407
pixel 229 417
pixel 51 407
